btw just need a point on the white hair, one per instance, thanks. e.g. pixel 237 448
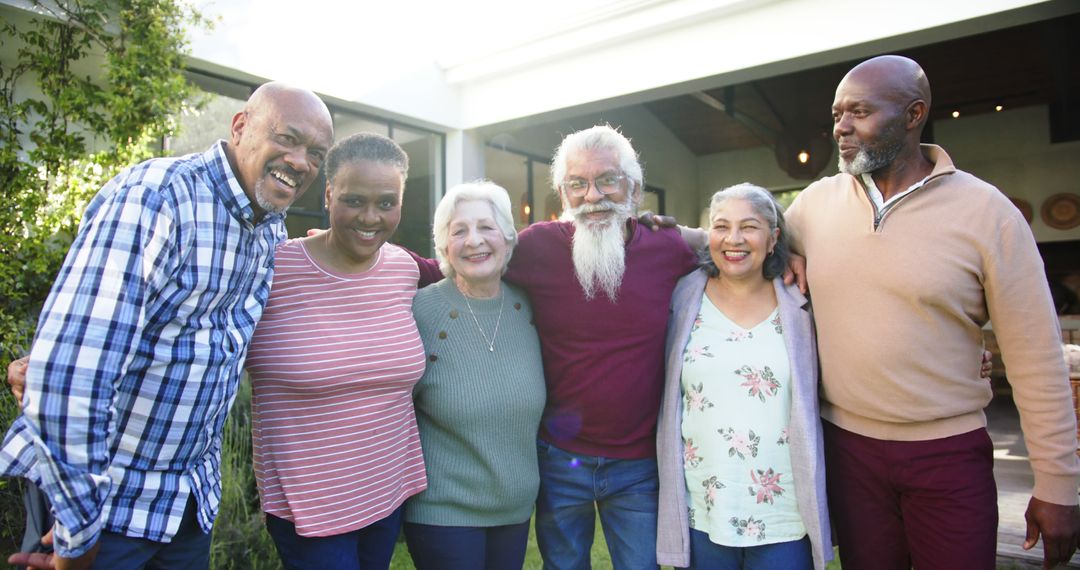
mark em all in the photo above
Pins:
pixel 597 138
pixel 599 249
pixel 480 190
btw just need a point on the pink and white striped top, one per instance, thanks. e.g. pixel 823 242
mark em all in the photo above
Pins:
pixel 333 363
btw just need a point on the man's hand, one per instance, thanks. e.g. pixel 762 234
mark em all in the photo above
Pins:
pixel 41 557
pixel 987 365
pixel 796 272
pixel 1059 526
pixel 656 221
pixel 48 561
pixel 16 377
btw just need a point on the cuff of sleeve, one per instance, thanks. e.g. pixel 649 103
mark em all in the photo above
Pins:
pixel 71 545
pixel 1057 489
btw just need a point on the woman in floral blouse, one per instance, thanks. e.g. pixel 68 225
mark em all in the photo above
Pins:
pixel 742 480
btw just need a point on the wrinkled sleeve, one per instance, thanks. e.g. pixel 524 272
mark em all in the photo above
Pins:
pixel 1028 333
pixel 88 332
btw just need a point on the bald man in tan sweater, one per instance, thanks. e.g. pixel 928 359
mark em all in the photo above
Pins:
pixel 908 258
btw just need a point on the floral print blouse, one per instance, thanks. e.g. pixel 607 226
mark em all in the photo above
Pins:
pixel 736 386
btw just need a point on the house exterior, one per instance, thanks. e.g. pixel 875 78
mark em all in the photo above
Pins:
pixel 477 88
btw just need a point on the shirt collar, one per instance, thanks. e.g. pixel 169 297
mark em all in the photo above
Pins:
pixel 875 194
pixel 227 188
pixel 943 165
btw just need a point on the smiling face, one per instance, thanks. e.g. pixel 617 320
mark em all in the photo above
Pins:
pixel 739 240
pixel 476 248
pixel 364 200
pixel 594 207
pixel 279 142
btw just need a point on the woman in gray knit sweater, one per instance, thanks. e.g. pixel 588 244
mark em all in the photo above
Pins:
pixel 479 403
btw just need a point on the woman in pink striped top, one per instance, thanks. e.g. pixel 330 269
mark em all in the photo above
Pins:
pixel 333 363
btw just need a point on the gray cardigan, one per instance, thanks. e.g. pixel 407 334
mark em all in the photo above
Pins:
pixel 807 453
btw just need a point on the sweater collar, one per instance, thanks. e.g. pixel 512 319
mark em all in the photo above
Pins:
pixel 943 164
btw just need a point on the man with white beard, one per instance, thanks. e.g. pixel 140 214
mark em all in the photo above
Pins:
pixel 600 285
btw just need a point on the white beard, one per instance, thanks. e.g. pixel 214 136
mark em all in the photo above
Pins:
pixel 599 248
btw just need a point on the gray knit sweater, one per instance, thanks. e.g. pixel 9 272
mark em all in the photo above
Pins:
pixel 478 411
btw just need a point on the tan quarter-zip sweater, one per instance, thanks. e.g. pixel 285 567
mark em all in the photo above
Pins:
pixel 900 300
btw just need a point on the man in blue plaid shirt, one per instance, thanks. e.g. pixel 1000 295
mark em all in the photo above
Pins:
pixel 141 342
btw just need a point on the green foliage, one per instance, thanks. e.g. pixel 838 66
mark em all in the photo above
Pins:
pixel 63 134
pixel 240 537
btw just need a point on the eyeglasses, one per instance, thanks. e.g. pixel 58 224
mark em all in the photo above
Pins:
pixel 605 184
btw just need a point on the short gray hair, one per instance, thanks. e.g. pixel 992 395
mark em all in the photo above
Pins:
pixel 596 138
pixel 481 190
pixel 764 205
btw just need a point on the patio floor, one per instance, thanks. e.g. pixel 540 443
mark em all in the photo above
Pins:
pixel 1014 482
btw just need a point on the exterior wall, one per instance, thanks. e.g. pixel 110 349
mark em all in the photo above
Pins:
pixel 1012 151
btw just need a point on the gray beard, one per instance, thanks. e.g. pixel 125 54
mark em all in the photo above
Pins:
pixel 874 159
pixel 599 249
pixel 260 199
pixel 869 160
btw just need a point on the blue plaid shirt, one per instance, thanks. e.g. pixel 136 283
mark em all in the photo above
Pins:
pixel 139 350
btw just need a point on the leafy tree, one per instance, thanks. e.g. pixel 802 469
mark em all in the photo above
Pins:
pixel 85 87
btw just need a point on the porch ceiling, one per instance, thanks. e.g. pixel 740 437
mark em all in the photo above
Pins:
pixel 1025 65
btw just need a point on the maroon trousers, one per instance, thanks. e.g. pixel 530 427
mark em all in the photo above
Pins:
pixel 898 504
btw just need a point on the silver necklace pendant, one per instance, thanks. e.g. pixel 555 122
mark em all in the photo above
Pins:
pixel 498 321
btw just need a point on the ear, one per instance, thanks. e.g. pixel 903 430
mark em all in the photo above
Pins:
pixel 239 121
pixel 916 114
pixel 637 195
pixel 328 195
pixel 774 238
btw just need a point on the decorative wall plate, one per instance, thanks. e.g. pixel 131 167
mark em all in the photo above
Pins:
pixel 1024 206
pixel 1062 211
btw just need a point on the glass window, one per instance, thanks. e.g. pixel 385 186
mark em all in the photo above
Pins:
pixel 346 124
pixel 653 200
pixel 511 171
pixel 203 124
pixel 546 202
pixel 422 188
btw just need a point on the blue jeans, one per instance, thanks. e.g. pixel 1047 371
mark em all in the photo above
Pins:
pixel 363 549
pixel 435 547
pixel 706 554
pixel 624 491
pixel 188 550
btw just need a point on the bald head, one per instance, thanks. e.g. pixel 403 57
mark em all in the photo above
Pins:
pixel 276 94
pixel 277 144
pixel 891 76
